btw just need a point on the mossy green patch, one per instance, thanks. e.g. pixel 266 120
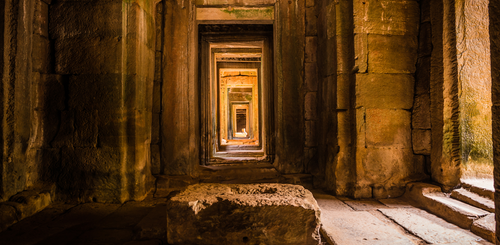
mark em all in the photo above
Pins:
pixel 244 13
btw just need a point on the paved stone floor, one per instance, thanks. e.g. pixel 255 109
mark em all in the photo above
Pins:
pixel 345 222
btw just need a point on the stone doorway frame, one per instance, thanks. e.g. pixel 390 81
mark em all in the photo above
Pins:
pixel 208 139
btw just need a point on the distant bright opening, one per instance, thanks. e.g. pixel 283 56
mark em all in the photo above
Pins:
pixel 474 73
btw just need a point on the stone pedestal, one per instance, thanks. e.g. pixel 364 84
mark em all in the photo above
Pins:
pixel 239 214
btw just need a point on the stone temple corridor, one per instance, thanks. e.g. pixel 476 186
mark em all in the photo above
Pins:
pixel 249 121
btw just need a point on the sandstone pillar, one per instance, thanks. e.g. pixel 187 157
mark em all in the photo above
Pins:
pixel 385 33
pixel 289 76
pixel 445 157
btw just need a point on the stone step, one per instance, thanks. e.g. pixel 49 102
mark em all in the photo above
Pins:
pixel 482 187
pixel 485 227
pixel 474 199
pixel 430 198
pixel 428 227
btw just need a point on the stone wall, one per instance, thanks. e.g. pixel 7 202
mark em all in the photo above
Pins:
pixel 77 98
pixel 103 71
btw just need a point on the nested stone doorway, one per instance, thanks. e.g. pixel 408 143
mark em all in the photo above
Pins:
pixel 236 93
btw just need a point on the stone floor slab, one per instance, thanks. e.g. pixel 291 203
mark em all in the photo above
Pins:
pixel 153 225
pixel 396 203
pixel 330 203
pixel 359 228
pixel 418 223
pixel 365 205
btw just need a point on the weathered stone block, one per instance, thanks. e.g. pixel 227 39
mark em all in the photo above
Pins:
pixel 421 114
pixel 388 128
pixel 28 203
pixel 51 94
pixel 88 55
pixel 421 140
pixel 361 52
pixel 103 18
pixel 392 54
pixel 311 19
pixel 41 16
pixel 236 214
pixel 387 168
pixel 92 173
pixel 155 159
pixel 141 25
pixel 311 139
pixel 311 76
pixel 46 125
pixel 384 91
pixel 86 133
pixel 41 54
pixel 101 92
pixel 311 104
pixel 343 98
pixel 8 216
pixel 386 17
pixel 311 49
pixel 65 133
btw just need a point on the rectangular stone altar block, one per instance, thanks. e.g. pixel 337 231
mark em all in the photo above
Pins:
pixel 243 214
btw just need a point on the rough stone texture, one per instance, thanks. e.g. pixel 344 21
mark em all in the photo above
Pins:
pixel 421 140
pixel 264 213
pixel 329 203
pixel 482 187
pixel 359 228
pixel 384 91
pixel 387 128
pixel 431 198
pixel 385 53
pixel 291 53
pixel 327 95
pixel 430 229
pixel 365 205
pixel 401 57
pixel 444 96
pixel 400 202
pixel 104 135
pixel 473 199
pixel 485 227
